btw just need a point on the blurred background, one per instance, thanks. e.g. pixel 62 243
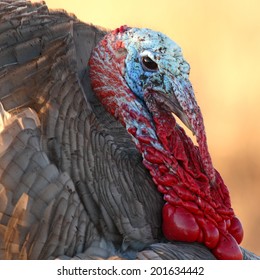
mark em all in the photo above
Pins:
pixel 221 41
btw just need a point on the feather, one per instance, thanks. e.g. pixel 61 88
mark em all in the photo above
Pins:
pixel 72 183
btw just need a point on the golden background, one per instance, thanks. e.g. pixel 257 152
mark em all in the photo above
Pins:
pixel 221 41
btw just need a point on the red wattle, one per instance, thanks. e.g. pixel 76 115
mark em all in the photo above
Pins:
pixel 210 232
pixel 236 229
pixel 227 248
pixel 179 224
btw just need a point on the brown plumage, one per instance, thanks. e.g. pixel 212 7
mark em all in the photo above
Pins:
pixel 72 184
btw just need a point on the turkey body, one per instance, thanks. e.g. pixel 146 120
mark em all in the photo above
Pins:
pixel 72 183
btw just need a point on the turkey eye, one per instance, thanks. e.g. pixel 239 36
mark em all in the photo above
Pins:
pixel 149 64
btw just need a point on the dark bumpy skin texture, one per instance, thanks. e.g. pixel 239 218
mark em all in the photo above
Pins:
pixel 198 207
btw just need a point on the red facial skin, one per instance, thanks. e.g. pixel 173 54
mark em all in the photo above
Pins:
pixel 197 208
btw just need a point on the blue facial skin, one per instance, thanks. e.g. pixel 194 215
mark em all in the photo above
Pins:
pixel 135 75
pixel 160 49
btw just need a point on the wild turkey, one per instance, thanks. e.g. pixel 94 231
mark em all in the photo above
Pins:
pixel 72 184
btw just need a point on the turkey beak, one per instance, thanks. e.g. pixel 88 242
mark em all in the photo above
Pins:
pixel 181 101
pixel 178 99
pixel 174 106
